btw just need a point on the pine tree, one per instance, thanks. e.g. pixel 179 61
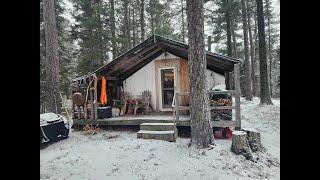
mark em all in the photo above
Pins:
pixel 142 23
pixel 90 30
pixel 247 63
pixel 113 29
pixel 264 83
pixel 183 22
pixel 52 57
pixel 272 37
pixel 250 11
pixel 201 129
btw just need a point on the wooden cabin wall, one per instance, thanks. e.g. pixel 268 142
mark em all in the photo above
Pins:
pixel 184 82
pixel 143 79
pixel 164 63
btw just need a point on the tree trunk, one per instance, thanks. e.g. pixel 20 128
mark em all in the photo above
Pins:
pixel 101 55
pixel 240 144
pixel 113 30
pixel 133 29
pixel 234 41
pixel 256 54
pixel 252 54
pixel 129 28
pixel 269 46
pixel 254 139
pixel 126 25
pixel 248 93
pixel 201 129
pixel 227 16
pixel 209 43
pixel 52 57
pixel 182 22
pixel 152 24
pixel 142 20
pixel 264 84
pixel 229 43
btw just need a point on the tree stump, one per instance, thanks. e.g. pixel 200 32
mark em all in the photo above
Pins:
pixel 254 139
pixel 240 144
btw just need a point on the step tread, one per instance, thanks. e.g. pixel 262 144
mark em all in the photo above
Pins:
pixel 157 124
pixel 155 132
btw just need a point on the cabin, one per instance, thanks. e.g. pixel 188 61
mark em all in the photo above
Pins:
pixel 159 66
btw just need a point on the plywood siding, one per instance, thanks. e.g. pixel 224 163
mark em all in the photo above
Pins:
pixel 148 78
pixel 144 79
pixel 184 81
pixel 214 79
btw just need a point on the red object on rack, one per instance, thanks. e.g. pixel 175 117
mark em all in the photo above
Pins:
pixel 228 133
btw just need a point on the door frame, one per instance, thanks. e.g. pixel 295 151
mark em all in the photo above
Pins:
pixel 160 83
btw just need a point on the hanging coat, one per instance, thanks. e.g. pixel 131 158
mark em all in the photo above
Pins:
pixel 103 97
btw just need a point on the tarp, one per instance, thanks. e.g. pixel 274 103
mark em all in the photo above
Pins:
pixel 103 97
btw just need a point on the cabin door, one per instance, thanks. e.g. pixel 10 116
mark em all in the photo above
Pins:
pixel 167 83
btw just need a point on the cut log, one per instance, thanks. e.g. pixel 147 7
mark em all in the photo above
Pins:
pixel 240 144
pixel 254 139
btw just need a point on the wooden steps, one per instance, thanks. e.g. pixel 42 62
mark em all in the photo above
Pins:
pixel 157 126
pixel 159 131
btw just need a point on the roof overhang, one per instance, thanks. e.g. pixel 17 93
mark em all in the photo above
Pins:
pixel 131 61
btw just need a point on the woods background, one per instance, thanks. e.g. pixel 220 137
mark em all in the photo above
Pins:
pixel 93 32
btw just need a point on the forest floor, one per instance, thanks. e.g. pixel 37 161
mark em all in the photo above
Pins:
pixel 115 154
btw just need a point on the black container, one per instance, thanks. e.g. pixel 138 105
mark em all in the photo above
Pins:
pixel 55 131
pixel 104 112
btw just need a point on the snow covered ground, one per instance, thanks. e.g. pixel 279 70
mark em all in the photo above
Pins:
pixel 120 155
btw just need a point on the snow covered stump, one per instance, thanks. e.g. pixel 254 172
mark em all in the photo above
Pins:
pixel 240 144
pixel 254 139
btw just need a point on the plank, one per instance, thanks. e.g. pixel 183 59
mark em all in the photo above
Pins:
pixel 222 107
pixel 182 93
pixel 184 108
pixel 224 123
pixel 237 95
pixel 222 92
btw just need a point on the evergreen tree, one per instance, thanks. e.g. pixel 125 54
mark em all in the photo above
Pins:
pixel 264 83
pixel 201 130
pixel 247 63
pixel 91 34
pixel 52 58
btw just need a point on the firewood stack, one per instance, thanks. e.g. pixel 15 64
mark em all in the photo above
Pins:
pixel 221 100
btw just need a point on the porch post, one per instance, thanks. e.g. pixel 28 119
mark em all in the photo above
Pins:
pixel 227 80
pixel 237 94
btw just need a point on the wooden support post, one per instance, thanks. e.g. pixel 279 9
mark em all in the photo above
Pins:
pixel 237 94
pixel 227 80
pixel 91 101
pixel 176 106
pixel 95 100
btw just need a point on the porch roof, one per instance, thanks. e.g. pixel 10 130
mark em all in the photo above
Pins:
pixel 131 61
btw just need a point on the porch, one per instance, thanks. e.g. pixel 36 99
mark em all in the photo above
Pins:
pixel 130 120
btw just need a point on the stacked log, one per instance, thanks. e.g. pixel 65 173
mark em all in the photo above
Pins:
pixel 221 100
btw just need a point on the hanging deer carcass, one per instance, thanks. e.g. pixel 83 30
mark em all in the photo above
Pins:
pixel 78 100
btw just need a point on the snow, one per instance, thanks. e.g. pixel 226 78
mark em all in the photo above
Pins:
pixel 157 124
pixel 238 133
pixel 115 154
pixel 155 132
pixel 220 86
pixel 250 129
pixel 49 117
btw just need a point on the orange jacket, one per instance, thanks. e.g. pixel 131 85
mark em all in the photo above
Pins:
pixel 103 97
